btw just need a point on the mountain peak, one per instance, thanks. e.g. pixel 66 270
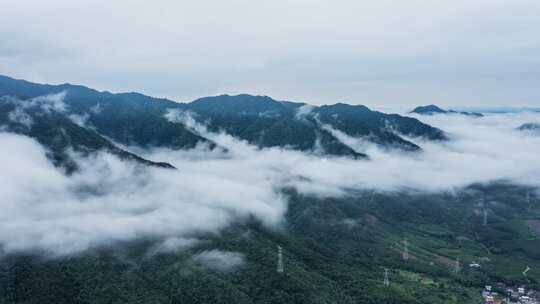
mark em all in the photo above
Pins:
pixel 433 109
pixel 243 103
pixel 428 110
pixel 530 126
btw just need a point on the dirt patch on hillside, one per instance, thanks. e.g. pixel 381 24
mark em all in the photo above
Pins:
pixel 371 219
pixel 534 225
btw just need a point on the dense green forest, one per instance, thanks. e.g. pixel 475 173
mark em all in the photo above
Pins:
pixel 334 251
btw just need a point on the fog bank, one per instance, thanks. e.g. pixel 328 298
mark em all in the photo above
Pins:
pixel 110 200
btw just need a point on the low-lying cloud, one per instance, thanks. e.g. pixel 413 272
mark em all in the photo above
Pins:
pixel 110 200
pixel 46 103
pixel 219 260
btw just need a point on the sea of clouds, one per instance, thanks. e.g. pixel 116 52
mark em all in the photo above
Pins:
pixel 111 200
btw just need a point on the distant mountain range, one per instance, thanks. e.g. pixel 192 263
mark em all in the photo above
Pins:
pixel 92 120
pixel 433 110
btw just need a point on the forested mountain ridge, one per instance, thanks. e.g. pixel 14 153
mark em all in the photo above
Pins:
pixel 136 119
pixel 58 133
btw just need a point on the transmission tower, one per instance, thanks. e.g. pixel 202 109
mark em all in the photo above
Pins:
pixel 386 279
pixel 280 260
pixel 405 253
pixel 528 200
pixel 526 270
pixel 525 273
pixel 457 266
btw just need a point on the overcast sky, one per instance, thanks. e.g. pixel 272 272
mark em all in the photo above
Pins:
pixel 383 53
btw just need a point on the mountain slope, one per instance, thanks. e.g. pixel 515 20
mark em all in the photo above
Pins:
pixel 127 118
pixel 383 129
pixel 334 251
pixel 58 133
pixel 530 126
pixel 267 122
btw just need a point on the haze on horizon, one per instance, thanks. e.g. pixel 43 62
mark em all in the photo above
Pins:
pixel 385 54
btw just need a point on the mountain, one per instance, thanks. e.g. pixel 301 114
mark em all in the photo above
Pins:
pixel 428 110
pixel 136 119
pixel 58 133
pixel 380 128
pixel 433 109
pixel 530 127
pixel 127 118
pixel 267 122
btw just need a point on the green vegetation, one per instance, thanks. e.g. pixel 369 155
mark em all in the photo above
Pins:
pixel 60 135
pixel 136 119
pixel 335 251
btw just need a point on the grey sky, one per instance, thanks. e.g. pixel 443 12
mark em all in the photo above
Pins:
pixel 380 53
